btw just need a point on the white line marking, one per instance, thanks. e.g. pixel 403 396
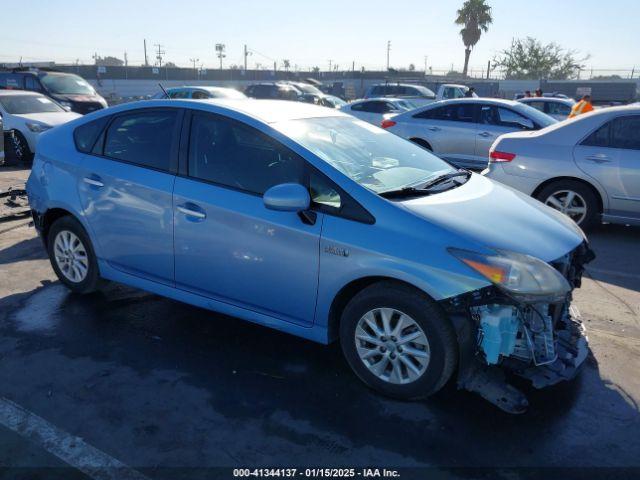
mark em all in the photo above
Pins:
pixel 72 450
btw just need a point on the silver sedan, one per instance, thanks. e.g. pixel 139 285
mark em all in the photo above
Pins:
pixel 461 131
pixel 587 167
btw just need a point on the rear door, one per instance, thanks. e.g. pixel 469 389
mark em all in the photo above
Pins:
pixel 451 132
pixel 495 121
pixel 126 191
pixel 611 155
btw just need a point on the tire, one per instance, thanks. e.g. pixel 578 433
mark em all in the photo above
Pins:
pixel 70 229
pixel 582 194
pixel 441 341
pixel 18 149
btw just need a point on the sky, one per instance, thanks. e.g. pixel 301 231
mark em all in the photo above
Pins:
pixel 310 33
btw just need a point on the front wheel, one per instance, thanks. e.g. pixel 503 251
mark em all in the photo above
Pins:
pixel 398 341
pixel 72 256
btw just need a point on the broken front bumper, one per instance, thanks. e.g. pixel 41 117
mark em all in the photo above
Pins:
pixel 499 338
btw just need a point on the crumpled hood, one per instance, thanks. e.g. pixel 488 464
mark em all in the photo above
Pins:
pixel 50 118
pixel 496 216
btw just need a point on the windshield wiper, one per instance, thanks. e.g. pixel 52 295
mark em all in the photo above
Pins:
pixel 442 179
pixel 425 188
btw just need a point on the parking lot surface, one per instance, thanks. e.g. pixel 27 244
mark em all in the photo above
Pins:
pixel 172 390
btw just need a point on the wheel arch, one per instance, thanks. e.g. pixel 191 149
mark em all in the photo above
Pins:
pixel 422 142
pixel 591 186
pixel 49 217
pixel 348 291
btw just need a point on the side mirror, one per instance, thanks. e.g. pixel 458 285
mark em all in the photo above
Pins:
pixel 287 197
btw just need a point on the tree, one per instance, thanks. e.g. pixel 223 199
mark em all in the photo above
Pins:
pixel 475 16
pixel 286 64
pixel 412 67
pixel 529 59
pixel 170 65
pixel 109 61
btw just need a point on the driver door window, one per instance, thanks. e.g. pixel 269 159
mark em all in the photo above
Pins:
pixel 231 154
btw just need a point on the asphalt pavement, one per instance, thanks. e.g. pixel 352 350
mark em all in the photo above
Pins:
pixel 172 391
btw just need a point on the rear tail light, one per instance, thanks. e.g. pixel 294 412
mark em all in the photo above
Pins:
pixel 387 123
pixel 497 156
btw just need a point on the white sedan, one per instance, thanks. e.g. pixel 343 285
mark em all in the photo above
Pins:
pixel 27 114
pixel 373 110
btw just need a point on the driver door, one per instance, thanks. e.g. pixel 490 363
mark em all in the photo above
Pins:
pixel 228 245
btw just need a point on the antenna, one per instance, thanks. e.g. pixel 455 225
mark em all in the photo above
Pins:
pixel 164 91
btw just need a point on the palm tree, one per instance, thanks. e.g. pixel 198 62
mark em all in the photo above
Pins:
pixel 475 15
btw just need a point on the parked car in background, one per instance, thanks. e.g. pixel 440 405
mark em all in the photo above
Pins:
pixel 26 115
pixel 68 90
pixel 315 223
pixel 462 131
pixel 558 108
pixel 201 93
pixel 273 91
pixel 587 167
pixel 323 100
pixel 305 88
pixel 416 94
pixel 373 110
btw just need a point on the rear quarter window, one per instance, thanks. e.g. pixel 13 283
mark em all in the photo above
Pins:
pixel 85 136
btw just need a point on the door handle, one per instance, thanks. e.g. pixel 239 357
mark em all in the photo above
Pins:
pixel 94 181
pixel 485 134
pixel 434 129
pixel 191 210
pixel 599 158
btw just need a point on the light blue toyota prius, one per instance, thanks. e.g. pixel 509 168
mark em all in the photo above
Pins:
pixel 318 224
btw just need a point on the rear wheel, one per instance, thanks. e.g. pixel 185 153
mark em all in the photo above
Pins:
pixel 398 341
pixel 574 199
pixel 72 256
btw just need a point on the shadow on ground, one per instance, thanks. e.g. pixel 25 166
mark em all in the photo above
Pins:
pixel 156 382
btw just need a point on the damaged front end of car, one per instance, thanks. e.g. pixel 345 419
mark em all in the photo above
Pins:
pixel 522 325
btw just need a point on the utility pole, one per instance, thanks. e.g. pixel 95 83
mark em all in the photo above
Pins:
pixel 146 62
pixel 330 65
pixel 126 60
pixel 488 68
pixel 220 48
pixel 194 61
pixel 246 54
pixel 426 62
pixel 388 53
pixel 159 54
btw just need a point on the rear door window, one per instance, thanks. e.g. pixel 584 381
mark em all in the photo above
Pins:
pixel 85 136
pixel 452 113
pixel 599 138
pixel 625 133
pixel 143 138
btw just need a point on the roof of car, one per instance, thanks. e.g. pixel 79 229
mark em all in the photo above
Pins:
pixel 378 99
pixel 491 101
pixel 566 101
pixel 268 111
pixel 5 93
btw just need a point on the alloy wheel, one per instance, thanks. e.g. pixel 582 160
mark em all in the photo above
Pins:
pixel 570 203
pixel 392 345
pixel 71 256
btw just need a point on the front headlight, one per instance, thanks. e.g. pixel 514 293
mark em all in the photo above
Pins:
pixel 37 127
pixel 520 275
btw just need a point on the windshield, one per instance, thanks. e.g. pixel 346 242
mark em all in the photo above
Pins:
pixel 373 157
pixel 25 104
pixel 335 101
pixel 425 92
pixel 405 104
pixel 67 84
pixel 306 88
pixel 537 116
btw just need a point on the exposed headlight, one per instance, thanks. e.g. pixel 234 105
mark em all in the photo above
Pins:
pixel 37 127
pixel 522 276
